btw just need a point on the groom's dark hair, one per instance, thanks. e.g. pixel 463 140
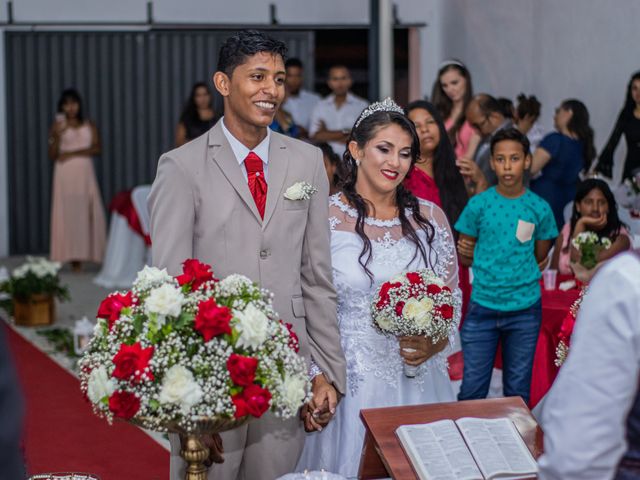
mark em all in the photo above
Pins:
pixel 246 43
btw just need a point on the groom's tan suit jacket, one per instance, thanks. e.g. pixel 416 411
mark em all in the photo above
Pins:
pixel 201 207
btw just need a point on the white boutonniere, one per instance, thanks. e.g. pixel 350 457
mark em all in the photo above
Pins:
pixel 300 191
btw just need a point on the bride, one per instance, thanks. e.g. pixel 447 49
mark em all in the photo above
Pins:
pixel 379 229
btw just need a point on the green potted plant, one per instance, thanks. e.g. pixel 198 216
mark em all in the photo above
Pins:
pixel 33 286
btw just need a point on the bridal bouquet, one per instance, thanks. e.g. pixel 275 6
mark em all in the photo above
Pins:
pixel 589 244
pixel 176 350
pixel 414 303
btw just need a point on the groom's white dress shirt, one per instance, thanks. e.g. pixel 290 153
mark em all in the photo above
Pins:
pixel 584 418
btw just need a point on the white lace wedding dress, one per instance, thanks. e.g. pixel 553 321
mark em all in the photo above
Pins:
pixel 375 375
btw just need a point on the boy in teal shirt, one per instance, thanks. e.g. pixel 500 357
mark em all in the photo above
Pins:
pixel 505 232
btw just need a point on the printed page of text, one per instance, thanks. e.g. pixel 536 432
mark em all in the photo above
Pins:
pixel 497 447
pixel 438 451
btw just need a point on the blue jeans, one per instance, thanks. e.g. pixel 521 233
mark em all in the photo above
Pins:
pixel 481 331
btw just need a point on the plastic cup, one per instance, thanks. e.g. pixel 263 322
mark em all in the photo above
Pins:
pixel 549 279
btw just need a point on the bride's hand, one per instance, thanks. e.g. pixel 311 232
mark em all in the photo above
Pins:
pixel 416 350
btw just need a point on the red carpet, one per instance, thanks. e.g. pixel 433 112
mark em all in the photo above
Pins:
pixel 63 434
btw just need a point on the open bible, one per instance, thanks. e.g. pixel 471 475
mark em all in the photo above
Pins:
pixel 467 449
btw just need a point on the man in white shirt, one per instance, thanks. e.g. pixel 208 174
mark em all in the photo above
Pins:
pixel 299 102
pixel 334 116
pixel 586 416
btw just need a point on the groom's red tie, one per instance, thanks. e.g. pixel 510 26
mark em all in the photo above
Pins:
pixel 257 182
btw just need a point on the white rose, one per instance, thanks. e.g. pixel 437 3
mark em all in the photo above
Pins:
pixel 293 390
pixel 418 311
pixel 100 385
pixel 294 192
pixel 180 387
pixel 384 322
pixel 165 300
pixel 252 325
pixel 150 276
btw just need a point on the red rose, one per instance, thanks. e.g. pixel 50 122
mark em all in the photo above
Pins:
pixel 242 369
pixel 414 278
pixel 111 307
pixel 384 293
pixel 131 360
pixel 433 289
pixel 446 289
pixel 253 400
pixel 212 320
pixel 446 311
pixel 241 405
pixel 195 273
pixel 124 404
pixel 294 342
pixel 399 307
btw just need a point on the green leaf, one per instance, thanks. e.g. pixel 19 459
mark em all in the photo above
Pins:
pixel 154 404
pixel 184 320
pixel 138 321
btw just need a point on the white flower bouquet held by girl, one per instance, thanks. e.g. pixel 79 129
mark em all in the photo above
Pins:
pixel 589 244
pixel 173 352
pixel 414 303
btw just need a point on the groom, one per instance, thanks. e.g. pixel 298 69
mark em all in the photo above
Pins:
pixel 220 198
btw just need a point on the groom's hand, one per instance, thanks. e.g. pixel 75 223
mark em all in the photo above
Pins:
pixel 318 412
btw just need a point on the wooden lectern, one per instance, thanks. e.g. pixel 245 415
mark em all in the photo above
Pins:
pixel 382 455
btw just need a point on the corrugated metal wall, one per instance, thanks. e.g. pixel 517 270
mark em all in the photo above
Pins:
pixel 133 83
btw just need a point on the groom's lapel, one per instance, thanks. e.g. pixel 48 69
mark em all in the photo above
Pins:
pixel 220 152
pixel 278 165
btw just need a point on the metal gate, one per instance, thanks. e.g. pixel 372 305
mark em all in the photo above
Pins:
pixel 133 84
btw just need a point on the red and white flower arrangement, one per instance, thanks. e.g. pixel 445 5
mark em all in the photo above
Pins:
pixel 172 351
pixel 414 303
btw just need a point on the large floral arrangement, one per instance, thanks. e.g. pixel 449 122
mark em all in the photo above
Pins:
pixel 36 276
pixel 566 330
pixel 414 303
pixel 172 351
pixel 589 244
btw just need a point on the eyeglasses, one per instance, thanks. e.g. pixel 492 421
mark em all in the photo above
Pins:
pixel 478 126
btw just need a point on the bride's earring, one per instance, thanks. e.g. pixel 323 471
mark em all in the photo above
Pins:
pixel 357 163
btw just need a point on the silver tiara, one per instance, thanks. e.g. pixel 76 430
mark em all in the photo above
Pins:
pixel 387 105
pixel 451 61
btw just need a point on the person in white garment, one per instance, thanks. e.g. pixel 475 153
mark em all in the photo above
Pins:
pixel 334 115
pixel 379 229
pixel 591 416
pixel 299 102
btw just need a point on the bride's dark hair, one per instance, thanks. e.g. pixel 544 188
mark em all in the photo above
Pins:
pixel 405 201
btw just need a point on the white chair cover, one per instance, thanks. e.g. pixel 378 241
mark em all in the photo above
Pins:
pixel 125 255
pixel 139 197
